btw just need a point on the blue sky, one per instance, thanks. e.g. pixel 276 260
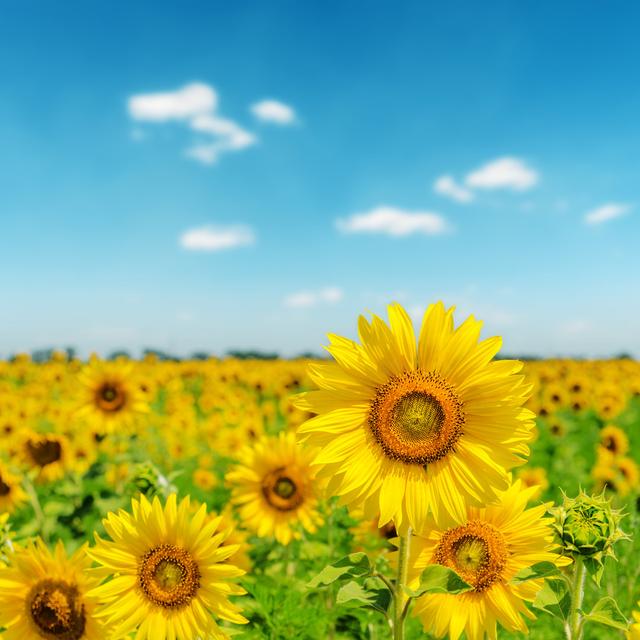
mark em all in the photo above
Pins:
pixel 207 176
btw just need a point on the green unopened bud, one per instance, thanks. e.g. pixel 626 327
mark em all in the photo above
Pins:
pixel 588 527
pixel 149 481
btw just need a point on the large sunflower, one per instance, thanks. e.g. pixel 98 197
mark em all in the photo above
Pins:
pixel 403 430
pixel 111 397
pixel 487 548
pixel 45 595
pixel 168 572
pixel 274 488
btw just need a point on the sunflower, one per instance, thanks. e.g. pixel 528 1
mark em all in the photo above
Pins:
pixel 111 397
pixel 168 572
pixel 534 477
pixel 487 548
pixel 614 439
pixel 11 493
pixel 274 488
pixel 48 454
pixel 403 431
pixel 45 595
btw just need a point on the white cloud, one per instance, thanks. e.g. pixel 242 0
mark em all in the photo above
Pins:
pixel 195 105
pixel 503 173
pixel 447 186
pixel 212 238
pixel 273 111
pixel 606 212
pixel 394 222
pixel 328 295
pixel 189 101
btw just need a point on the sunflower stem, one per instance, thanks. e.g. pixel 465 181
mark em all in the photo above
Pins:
pixel 400 599
pixel 573 626
pixel 37 508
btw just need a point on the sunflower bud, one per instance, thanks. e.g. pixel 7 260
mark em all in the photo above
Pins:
pixel 149 481
pixel 588 527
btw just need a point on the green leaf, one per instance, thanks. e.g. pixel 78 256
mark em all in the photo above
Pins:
pixel 554 598
pixel 607 612
pixel 355 565
pixel 538 570
pixel 438 579
pixel 371 594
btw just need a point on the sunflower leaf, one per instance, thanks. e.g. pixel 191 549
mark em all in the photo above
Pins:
pixel 355 565
pixel 538 570
pixel 607 612
pixel 371 594
pixel 438 579
pixel 554 598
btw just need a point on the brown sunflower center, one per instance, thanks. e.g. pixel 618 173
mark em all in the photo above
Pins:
pixel 476 551
pixel 169 576
pixel 44 451
pixel 57 610
pixel 5 489
pixel 416 417
pixel 281 491
pixel 111 397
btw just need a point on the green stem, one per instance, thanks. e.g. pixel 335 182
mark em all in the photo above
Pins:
pixel 573 626
pixel 400 597
pixel 37 508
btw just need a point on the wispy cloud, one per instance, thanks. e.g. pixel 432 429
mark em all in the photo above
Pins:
pixel 394 222
pixel 606 212
pixel 274 111
pixel 328 295
pixel 503 173
pixel 194 105
pixel 214 238
pixel 448 187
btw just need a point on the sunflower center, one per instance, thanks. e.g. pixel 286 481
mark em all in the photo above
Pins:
pixel 281 491
pixel 56 610
pixel 476 551
pixel 5 489
pixel 169 576
pixel 111 397
pixel 416 417
pixel 45 451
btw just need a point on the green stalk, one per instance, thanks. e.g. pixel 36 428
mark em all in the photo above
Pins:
pixel 400 599
pixel 573 626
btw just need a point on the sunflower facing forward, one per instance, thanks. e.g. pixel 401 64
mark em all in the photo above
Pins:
pixel 44 595
pixel 168 570
pixel 111 397
pixel 487 548
pixel 404 431
pixel 274 488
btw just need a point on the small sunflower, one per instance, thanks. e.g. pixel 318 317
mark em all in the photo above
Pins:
pixel 615 440
pixel 45 595
pixel 48 454
pixel 534 477
pixel 111 398
pixel 487 548
pixel 406 430
pixel 274 488
pixel 11 493
pixel 168 572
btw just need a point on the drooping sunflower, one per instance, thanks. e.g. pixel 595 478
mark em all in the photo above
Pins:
pixel 487 548
pixel 45 595
pixel 404 431
pixel 168 572
pixel 11 493
pixel 274 488
pixel 111 398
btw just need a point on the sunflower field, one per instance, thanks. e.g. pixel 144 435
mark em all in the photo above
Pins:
pixel 413 485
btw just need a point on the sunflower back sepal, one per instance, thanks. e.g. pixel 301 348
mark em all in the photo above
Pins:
pixel 354 565
pixel 439 579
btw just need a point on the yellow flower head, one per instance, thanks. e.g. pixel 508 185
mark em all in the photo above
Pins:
pixel 487 548
pixel 168 572
pixel 11 493
pixel 614 440
pixel 45 595
pixel 405 430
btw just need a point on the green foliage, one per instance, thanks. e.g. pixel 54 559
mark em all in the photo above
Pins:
pixel 438 579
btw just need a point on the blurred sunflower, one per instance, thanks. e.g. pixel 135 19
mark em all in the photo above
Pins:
pixel 534 477
pixel 112 398
pixel 487 548
pixel 614 439
pixel 48 454
pixel 167 572
pixel 634 629
pixel 11 493
pixel 403 431
pixel 45 595
pixel 274 489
